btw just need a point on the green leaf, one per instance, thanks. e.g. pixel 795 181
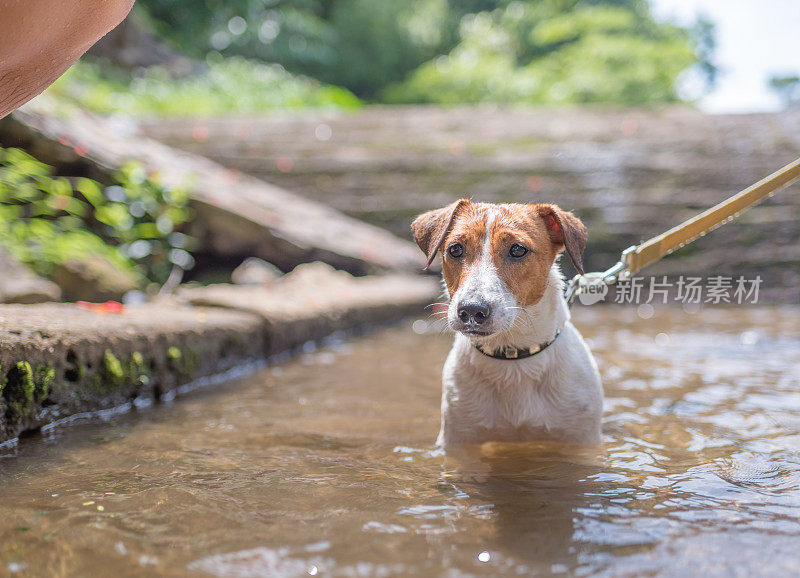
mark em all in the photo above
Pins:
pixel 91 191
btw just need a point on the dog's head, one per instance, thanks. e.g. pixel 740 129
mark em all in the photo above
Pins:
pixel 496 258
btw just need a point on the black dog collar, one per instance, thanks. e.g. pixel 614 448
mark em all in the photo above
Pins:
pixel 511 353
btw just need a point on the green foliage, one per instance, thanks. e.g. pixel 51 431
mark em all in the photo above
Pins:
pixel 366 61
pixel 234 85
pixel 133 223
pixel 24 388
pixel 174 356
pixel 137 371
pixel 553 52
pixel 111 372
pixel 787 87
pixel 19 391
pixel 359 44
pixel 43 377
pixel 703 34
pixel 541 51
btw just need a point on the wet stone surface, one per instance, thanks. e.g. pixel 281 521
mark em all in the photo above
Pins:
pixel 325 466
pixel 628 173
pixel 58 359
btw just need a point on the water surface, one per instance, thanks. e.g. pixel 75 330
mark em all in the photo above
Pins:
pixel 325 466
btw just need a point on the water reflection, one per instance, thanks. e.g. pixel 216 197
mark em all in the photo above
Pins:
pixel 533 495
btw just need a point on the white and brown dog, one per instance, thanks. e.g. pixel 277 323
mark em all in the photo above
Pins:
pixel 518 369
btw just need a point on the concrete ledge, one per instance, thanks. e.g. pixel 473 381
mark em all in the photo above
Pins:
pixel 316 299
pixel 57 360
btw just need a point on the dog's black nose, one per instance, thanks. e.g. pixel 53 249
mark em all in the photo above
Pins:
pixel 473 313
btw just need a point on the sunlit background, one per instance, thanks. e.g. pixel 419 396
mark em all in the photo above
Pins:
pixel 726 56
pixel 755 42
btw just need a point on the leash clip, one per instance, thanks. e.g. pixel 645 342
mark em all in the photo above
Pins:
pixel 619 271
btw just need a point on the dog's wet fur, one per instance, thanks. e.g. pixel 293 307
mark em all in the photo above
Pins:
pixel 505 288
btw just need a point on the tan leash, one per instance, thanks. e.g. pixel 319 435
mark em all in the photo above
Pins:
pixel 637 257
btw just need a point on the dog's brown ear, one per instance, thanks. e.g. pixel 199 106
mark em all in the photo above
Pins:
pixel 430 229
pixel 565 229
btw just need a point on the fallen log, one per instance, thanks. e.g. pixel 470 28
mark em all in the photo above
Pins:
pixel 237 215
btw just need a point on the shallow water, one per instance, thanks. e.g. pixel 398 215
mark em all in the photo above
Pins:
pixel 325 466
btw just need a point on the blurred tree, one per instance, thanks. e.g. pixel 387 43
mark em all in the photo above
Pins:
pixel 449 50
pixel 703 33
pixel 360 44
pixel 556 51
pixel 787 88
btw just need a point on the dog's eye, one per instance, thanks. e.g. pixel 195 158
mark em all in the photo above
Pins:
pixel 517 251
pixel 455 250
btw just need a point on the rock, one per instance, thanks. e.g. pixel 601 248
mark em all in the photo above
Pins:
pixel 316 300
pixel 255 271
pixel 60 360
pixel 20 285
pixel 316 275
pixel 93 278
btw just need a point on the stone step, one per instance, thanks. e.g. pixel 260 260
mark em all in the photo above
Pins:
pixel 59 360
pixel 628 173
